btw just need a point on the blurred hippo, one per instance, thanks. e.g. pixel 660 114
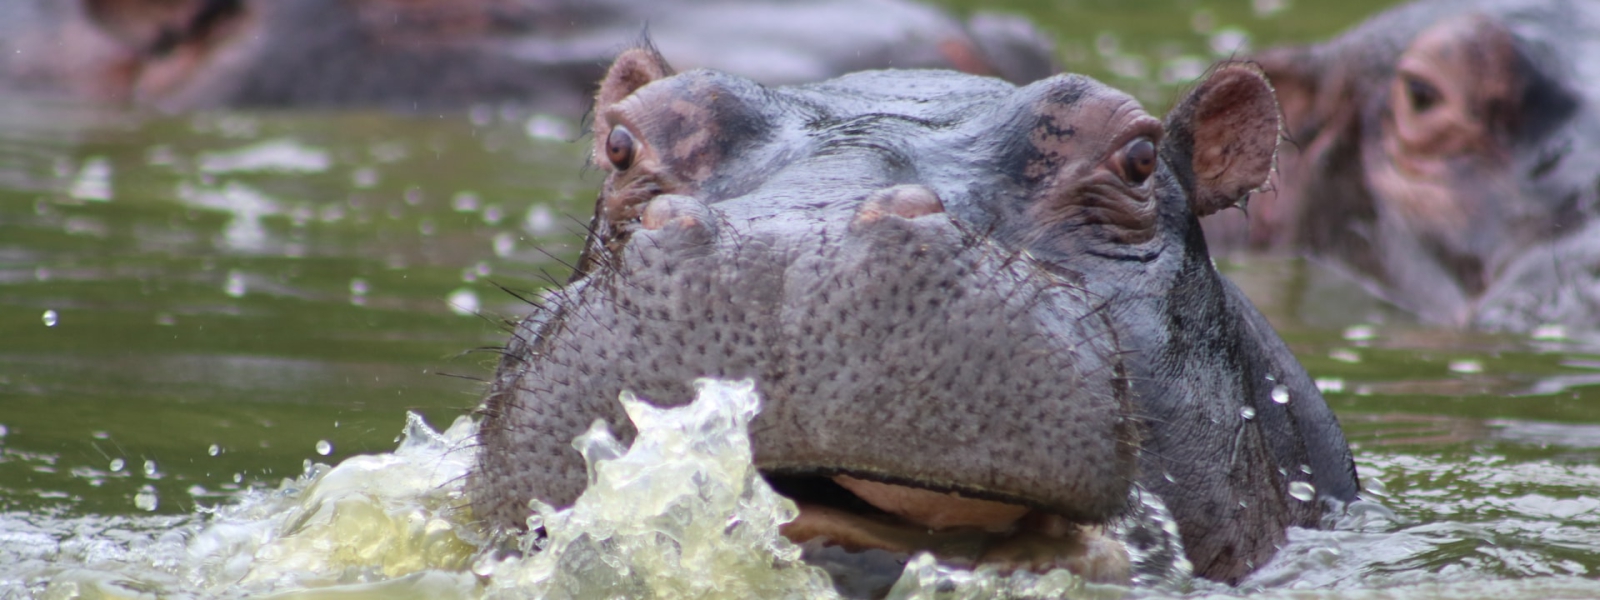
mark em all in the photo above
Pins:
pixel 1447 154
pixel 981 316
pixel 441 54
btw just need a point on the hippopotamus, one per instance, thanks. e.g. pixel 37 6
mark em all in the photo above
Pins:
pixel 971 309
pixel 416 55
pixel 1445 156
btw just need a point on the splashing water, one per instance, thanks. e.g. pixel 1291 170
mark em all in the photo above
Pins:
pixel 682 513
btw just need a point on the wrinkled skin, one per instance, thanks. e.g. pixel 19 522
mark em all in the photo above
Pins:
pixel 962 302
pixel 1445 154
pixel 440 54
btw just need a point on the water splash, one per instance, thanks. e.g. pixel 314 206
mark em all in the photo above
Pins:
pixel 680 514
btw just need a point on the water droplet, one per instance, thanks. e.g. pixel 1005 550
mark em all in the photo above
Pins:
pixel 1280 394
pixel 1305 469
pixel 465 202
pixel 1268 8
pixel 1302 491
pixel 146 499
pixel 1248 412
pixel 540 220
pixel 1550 333
pixel 324 447
pixel 235 285
pixel 1330 385
pixel 1466 366
pixel 117 464
pixel 238 477
pixel 1374 486
pixel 1359 333
pixel 1229 41
pixel 214 450
pixel 492 214
pixel 151 471
pixel 544 127
pixel 358 287
pixel 50 318
pixel 504 244
pixel 1344 355
pixel 463 302
pixel 3 431
pixel 364 178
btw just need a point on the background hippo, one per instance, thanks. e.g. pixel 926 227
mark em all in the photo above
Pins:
pixel 184 54
pixel 1444 153
pixel 969 307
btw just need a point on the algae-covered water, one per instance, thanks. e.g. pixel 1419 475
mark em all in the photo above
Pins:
pixel 198 310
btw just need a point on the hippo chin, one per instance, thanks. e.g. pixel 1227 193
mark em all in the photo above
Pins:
pixel 977 313
pixel 1444 156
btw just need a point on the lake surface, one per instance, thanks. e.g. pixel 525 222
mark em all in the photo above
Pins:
pixel 196 307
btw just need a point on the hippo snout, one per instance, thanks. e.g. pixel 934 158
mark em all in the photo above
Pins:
pixel 887 349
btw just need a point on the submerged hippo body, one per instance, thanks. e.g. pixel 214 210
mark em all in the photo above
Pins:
pixel 1447 153
pixel 967 306
pixel 440 54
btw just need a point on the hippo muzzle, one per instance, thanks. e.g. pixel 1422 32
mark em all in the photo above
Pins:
pixel 889 345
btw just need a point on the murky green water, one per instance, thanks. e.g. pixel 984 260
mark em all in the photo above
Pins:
pixel 191 306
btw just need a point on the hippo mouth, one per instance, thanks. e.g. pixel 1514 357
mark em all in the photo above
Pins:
pixel 856 515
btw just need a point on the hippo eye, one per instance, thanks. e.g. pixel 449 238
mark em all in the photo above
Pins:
pixel 1138 161
pixel 1423 95
pixel 620 148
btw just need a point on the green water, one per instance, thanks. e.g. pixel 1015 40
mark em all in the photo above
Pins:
pixel 234 294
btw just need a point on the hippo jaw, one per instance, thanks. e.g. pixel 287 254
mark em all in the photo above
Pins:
pixel 858 515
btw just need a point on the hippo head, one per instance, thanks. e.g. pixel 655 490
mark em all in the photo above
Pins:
pixel 959 300
pixel 1433 146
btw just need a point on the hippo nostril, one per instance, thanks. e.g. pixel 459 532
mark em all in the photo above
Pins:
pixel 670 209
pixel 687 218
pixel 907 201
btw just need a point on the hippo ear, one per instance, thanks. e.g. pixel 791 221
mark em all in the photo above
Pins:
pixel 632 70
pixel 1222 136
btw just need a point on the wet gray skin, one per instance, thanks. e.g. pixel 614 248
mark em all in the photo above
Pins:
pixel 940 282
pixel 1445 154
pixel 408 55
